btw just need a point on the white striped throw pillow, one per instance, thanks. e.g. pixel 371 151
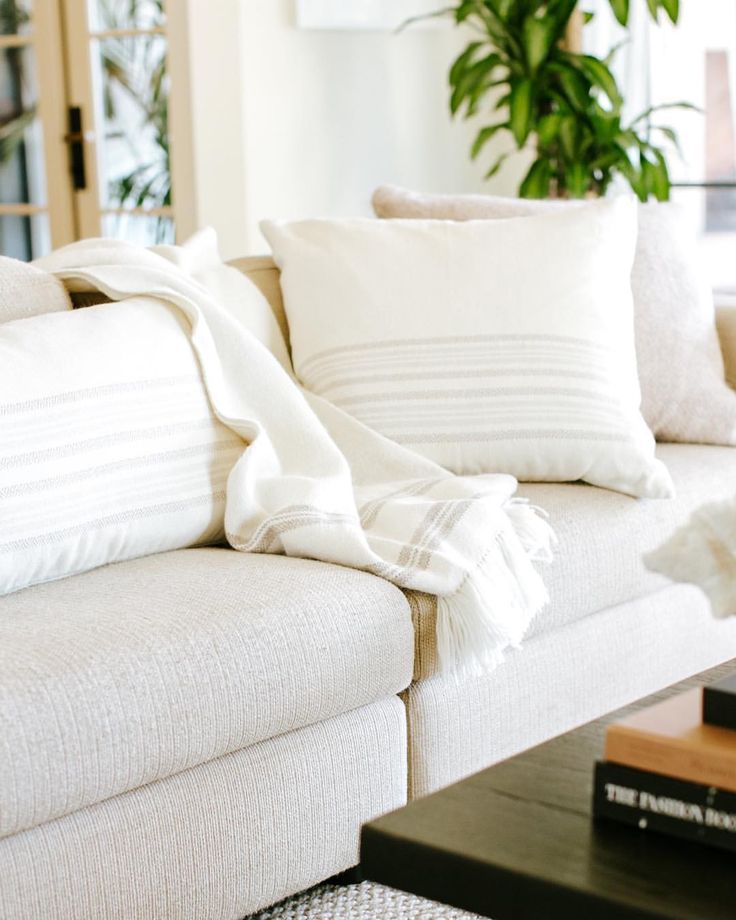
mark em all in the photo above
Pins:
pixel 109 447
pixel 487 346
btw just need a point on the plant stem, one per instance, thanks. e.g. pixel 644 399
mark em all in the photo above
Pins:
pixel 573 40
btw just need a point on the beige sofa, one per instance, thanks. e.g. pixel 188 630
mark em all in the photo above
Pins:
pixel 201 733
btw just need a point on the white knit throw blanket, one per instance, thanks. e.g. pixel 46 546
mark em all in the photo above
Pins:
pixel 316 483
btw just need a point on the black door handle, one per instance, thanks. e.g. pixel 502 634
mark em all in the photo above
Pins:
pixel 75 139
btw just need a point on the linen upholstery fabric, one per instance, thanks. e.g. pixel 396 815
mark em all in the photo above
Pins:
pixel 602 537
pixel 26 290
pixel 684 395
pixel 220 840
pixel 136 671
pixel 109 447
pixel 559 680
pixel 487 347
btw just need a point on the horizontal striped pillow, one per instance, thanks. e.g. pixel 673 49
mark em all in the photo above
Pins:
pixel 109 448
pixel 487 346
pixel 685 394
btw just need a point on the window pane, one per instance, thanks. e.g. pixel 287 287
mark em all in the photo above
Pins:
pixel 133 116
pixel 22 179
pixel 24 237
pixel 126 14
pixel 138 228
pixel 696 61
pixel 717 246
pixel 15 17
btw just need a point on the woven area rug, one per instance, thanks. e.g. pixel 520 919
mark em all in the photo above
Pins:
pixel 366 901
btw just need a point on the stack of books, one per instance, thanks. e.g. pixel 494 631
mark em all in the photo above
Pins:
pixel 671 768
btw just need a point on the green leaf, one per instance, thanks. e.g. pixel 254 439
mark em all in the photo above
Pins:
pixel 537 181
pixel 577 180
pixel 502 102
pixel 575 86
pixel 471 78
pixel 562 10
pixel 478 93
pixel 620 10
pixel 462 62
pixel 538 36
pixel 654 9
pixel 671 136
pixel 520 106
pixel 569 136
pixel 496 166
pixel 548 129
pixel 660 108
pixel 465 11
pixel 634 178
pixel 600 76
pixel 672 8
pixel 435 14
pixel 482 138
pixel 659 177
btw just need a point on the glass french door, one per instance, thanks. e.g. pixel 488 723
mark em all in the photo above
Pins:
pixel 36 205
pixel 84 134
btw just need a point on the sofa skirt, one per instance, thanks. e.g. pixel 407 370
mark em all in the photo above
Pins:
pixel 218 841
pixel 560 680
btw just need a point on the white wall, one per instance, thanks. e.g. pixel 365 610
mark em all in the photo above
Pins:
pixel 206 119
pixel 328 116
pixel 276 121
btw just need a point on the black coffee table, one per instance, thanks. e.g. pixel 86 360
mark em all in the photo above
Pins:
pixel 517 841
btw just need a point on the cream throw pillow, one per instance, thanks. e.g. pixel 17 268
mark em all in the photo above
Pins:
pixel 109 447
pixel 28 291
pixel 685 396
pixel 487 346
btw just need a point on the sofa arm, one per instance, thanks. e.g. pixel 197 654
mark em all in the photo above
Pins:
pixel 726 319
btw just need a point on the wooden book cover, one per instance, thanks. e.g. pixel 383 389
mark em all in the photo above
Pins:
pixel 670 738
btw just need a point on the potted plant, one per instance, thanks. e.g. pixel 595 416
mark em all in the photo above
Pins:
pixel 544 89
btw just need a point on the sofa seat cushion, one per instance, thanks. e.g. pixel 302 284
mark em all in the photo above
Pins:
pixel 602 537
pixel 136 671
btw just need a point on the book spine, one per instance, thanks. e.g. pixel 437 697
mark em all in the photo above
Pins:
pixel 657 755
pixel 719 706
pixel 664 805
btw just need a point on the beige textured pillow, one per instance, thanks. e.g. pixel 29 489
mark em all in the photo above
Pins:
pixel 685 397
pixel 27 291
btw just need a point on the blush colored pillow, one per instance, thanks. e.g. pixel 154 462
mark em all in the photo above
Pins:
pixel 28 291
pixel 486 346
pixel 684 394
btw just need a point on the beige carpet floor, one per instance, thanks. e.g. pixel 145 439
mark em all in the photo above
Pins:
pixel 366 901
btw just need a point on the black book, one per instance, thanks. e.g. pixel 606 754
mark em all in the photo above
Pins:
pixel 653 802
pixel 719 703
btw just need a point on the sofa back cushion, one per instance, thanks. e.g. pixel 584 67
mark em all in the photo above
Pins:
pixel 109 448
pixel 262 271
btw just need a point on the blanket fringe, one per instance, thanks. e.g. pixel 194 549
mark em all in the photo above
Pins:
pixel 497 600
